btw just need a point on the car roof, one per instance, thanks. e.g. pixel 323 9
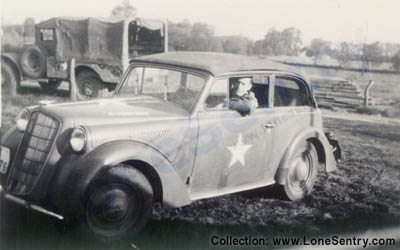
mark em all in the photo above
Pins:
pixel 218 63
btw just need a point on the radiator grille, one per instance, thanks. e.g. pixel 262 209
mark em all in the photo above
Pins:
pixel 32 153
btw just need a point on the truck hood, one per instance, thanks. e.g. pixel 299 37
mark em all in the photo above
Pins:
pixel 115 110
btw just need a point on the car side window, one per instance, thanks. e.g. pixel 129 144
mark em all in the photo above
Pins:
pixel 218 95
pixel 261 90
pixel 224 89
pixel 290 92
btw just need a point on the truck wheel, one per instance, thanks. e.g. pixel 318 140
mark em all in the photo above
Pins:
pixel 51 85
pixel 89 84
pixel 302 172
pixel 33 61
pixel 10 83
pixel 119 206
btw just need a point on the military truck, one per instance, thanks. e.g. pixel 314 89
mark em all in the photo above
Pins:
pixel 101 47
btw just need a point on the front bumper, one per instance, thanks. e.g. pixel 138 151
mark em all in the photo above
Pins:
pixel 27 204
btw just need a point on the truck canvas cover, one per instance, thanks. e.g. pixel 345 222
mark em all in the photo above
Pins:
pixel 94 40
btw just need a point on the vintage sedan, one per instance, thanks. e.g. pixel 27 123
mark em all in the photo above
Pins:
pixel 173 132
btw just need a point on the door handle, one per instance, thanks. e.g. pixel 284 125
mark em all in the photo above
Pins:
pixel 270 125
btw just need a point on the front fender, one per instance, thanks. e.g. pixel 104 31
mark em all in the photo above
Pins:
pixel 78 171
pixel 321 143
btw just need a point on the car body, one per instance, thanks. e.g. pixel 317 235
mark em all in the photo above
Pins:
pixel 162 138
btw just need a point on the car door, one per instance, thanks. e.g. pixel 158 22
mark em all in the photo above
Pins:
pixel 293 109
pixel 233 150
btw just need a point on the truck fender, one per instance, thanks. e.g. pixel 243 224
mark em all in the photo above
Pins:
pixel 321 144
pixel 84 170
pixel 105 75
pixel 12 59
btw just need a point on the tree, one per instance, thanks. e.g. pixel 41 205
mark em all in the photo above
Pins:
pixel 179 35
pixel 287 42
pixel 196 37
pixel 374 53
pixel 124 10
pixel 257 47
pixel 236 45
pixel 344 54
pixel 202 38
pixel 396 61
pixel 319 47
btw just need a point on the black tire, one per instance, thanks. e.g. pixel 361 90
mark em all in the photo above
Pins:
pixel 302 172
pixel 51 85
pixel 34 61
pixel 120 204
pixel 10 83
pixel 89 84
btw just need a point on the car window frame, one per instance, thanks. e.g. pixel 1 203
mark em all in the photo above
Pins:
pixel 268 74
pixel 203 74
pixel 298 80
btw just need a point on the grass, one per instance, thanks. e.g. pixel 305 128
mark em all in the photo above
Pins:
pixel 29 95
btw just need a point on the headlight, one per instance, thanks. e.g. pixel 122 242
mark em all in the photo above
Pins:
pixel 78 139
pixel 22 119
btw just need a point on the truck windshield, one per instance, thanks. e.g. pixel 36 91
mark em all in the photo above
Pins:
pixel 177 87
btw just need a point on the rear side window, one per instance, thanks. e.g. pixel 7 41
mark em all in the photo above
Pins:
pixel 291 92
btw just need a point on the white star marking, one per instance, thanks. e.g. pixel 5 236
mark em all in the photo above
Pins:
pixel 238 151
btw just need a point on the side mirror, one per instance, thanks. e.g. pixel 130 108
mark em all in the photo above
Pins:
pixel 240 106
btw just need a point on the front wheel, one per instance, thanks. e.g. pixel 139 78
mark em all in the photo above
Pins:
pixel 117 206
pixel 302 172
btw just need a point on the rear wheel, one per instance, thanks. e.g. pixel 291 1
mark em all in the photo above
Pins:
pixel 302 172
pixel 89 84
pixel 10 83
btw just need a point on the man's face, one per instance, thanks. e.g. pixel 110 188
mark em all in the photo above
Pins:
pixel 244 85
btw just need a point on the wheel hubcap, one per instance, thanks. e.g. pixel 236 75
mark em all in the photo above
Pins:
pixel 115 209
pixel 34 62
pixel 301 171
pixel 87 89
pixel 110 207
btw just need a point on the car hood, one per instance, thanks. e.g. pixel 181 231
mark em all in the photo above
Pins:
pixel 115 110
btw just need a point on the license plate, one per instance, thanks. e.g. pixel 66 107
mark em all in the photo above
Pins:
pixel 4 159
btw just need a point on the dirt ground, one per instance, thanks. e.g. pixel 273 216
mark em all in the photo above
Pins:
pixel 363 195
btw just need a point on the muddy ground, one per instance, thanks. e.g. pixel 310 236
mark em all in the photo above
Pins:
pixel 363 195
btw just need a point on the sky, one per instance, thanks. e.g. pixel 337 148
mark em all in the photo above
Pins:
pixel 334 20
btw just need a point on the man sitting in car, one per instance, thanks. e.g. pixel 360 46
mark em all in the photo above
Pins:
pixel 241 89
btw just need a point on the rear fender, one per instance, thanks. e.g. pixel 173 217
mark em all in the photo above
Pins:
pixel 321 144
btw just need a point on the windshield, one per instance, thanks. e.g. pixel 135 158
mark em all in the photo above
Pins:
pixel 177 87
